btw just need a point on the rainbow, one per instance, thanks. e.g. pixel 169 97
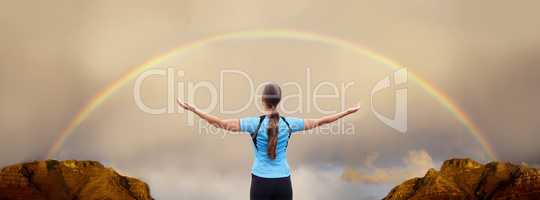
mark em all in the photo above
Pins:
pixel 110 89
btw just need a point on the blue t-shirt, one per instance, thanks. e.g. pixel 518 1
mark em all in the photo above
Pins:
pixel 264 166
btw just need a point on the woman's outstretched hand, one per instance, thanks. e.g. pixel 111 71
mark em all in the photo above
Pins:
pixel 313 123
pixel 185 105
pixel 353 109
pixel 227 124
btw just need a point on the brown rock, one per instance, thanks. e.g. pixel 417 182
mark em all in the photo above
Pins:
pixel 465 179
pixel 58 180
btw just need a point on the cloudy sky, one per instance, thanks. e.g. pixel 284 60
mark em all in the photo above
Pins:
pixel 56 55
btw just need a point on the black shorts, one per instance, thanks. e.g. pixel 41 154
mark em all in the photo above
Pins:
pixel 270 188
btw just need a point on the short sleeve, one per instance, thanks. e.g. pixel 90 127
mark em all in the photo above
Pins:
pixel 249 124
pixel 296 124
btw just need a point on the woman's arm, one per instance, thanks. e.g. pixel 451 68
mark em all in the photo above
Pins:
pixel 313 123
pixel 227 124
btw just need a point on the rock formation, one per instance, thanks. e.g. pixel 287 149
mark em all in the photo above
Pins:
pixel 465 179
pixel 58 180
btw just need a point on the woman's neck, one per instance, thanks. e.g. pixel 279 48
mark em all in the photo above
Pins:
pixel 268 111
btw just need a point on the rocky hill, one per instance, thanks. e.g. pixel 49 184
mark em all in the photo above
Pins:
pixel 465 179
pixel 58 180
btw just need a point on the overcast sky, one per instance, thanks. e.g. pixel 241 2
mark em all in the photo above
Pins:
pixel 56 55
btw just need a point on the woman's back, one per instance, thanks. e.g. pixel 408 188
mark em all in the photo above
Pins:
pixel 263 165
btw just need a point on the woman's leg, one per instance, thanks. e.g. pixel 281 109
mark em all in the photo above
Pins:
pixel 283 189
pixel 261 188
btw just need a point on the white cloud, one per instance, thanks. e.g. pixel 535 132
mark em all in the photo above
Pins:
pixel 309 183
pixel 416 163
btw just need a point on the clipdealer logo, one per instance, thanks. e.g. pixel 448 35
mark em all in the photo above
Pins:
pixel 186 90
